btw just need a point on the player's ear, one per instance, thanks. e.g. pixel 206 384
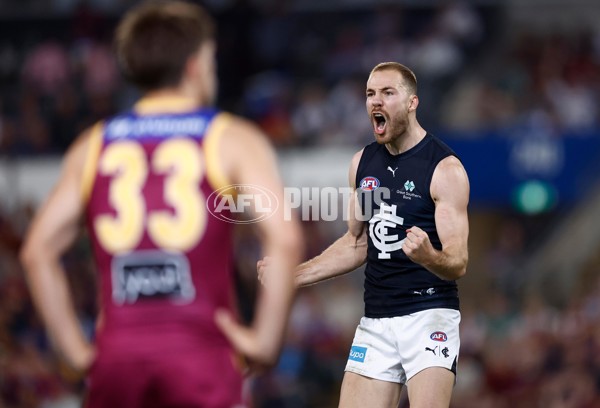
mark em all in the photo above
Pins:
pixel 413 103
pixel 198 63
pixel 192 65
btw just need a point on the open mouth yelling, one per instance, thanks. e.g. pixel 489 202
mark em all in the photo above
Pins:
pixel 379 123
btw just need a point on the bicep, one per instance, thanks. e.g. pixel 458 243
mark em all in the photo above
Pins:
pixel 57 223
pixel 356 227
pixel 450 191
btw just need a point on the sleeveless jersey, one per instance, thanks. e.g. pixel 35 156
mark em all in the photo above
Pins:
pixel 394 195
pixel 164 262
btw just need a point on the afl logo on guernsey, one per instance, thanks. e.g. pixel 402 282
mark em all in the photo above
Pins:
pixel 438 336
pixel 369 183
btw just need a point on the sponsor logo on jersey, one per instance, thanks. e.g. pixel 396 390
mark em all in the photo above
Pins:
pixel 407 191
pixel 155 127
pixel 145 275
pixel 369 183
pixel 357 353
pixel 438 336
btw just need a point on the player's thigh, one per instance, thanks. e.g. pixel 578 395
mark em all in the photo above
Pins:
pixel 431 388
pixel 117 383
pixel 360 392
pixel 201 379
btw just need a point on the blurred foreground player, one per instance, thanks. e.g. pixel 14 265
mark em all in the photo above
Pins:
pixel 142 182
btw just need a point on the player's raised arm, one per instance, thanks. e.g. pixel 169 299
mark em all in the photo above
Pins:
pixel 450 192
pixel 51 233
pixel 250 160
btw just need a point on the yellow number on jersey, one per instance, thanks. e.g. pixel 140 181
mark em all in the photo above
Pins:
pixel 126 161
pixel 181 161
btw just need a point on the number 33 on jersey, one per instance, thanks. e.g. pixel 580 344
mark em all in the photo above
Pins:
pixel 180 161
pixel 147 212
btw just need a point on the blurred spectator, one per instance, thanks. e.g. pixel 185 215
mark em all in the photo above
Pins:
pixel 33 132
pixel 313 115
pixel 100 74
pixel 345 55
pixel 386 42
pixel 46 68
pixel 8 62
pixel 505 259
pixel 352 127
pixel 573 101
pixel 435 56
pixel 474 104
pixel 459 21
pixel 66 117
pixel 267 101
pixel 7 132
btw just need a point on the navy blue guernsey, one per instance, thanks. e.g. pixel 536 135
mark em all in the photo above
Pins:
pixel 394 195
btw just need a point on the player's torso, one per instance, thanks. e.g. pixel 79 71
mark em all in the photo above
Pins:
pixel 164 262
pixel 394 191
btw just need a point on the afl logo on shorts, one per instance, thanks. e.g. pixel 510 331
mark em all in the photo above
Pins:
pixel 438 336
pixel 369 183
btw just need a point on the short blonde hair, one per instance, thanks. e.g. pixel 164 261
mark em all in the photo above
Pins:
pixel 409 77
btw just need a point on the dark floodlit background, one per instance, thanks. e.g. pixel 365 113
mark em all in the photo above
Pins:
pixel 513 86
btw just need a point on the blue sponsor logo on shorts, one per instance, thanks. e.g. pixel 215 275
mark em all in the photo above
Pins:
pixel 358 353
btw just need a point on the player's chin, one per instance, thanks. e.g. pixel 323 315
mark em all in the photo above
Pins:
pixel 382 138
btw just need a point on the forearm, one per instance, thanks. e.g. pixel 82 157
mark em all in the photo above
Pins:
pixel 272 311
pixel 276 297
pixel 448 264
pixel 343 256
pixel 51 296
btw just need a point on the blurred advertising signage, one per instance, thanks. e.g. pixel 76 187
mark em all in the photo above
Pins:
pixel 529 171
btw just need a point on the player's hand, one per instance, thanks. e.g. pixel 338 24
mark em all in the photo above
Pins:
pixel 262 268
pixel 246 342
pixel 81 359
pixel 417 246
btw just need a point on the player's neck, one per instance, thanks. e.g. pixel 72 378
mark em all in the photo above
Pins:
pixel 406 140
pixel 166 100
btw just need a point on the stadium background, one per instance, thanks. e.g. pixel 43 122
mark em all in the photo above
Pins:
pixel 513 86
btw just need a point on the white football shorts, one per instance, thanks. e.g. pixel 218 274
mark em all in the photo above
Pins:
pixel 396 348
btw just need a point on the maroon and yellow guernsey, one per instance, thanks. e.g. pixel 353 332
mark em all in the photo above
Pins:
pixel 164 262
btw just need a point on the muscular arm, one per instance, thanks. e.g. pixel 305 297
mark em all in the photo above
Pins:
pixel 52 232
pixel 344 255
pixel 450 192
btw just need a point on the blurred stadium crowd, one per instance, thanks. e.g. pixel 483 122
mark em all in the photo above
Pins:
pixel 300 74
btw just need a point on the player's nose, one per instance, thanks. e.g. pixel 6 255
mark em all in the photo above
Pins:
pixel 376 100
